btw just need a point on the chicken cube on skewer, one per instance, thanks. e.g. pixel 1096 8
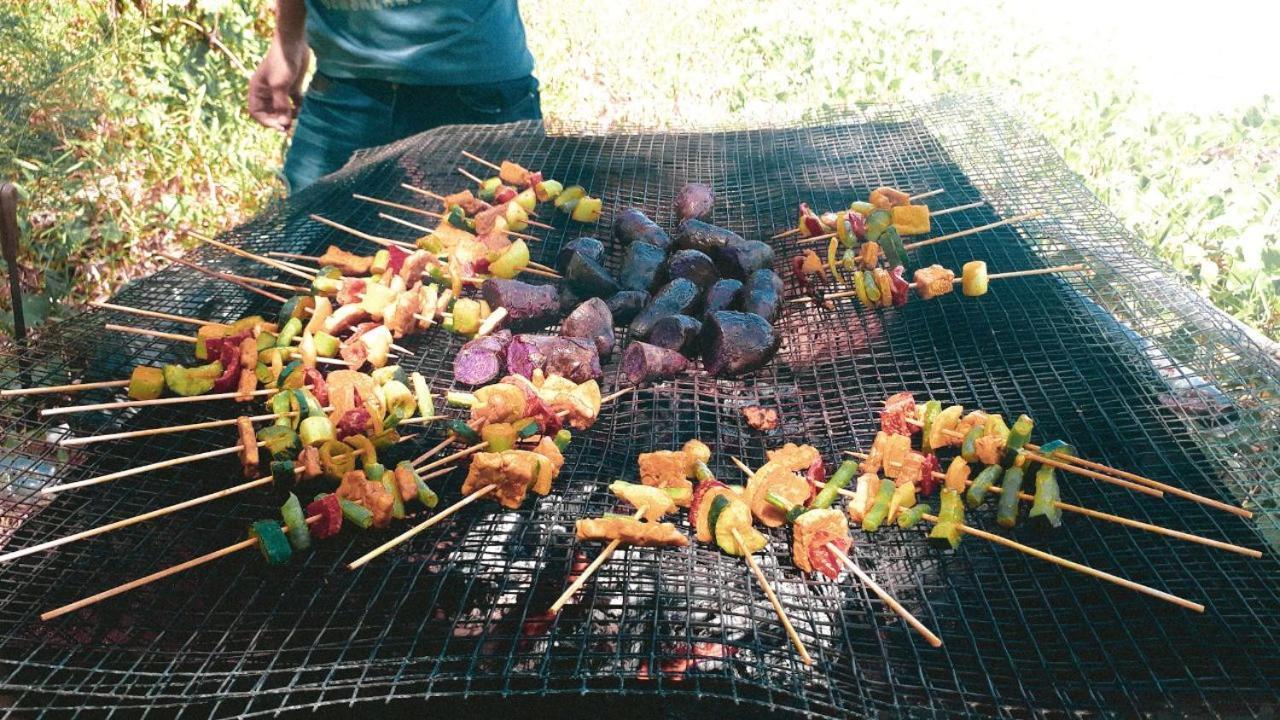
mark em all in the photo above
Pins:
pixel 630 532
pixel 812 531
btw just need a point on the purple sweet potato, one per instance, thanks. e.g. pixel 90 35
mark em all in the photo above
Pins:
pixel 694 201
pixel 528 306
pixel 593 321
pixel 481 361
pixel 643 362
pixel 734 343
pixel 570 357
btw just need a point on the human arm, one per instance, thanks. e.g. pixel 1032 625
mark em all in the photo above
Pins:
pixel 275 89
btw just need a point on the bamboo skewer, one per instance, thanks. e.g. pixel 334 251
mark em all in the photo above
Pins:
pixel 229 278
pixel 149 313
pixel 243 278
pixel 927 194
pixel 884 596
pixel 482 161
pixel 921 196
pixel 1171 489
pixel 773 600
pixel 958 208
pixel 159 512
pixel 73 387
pixel 438 216
pixel 384 242
pixel 1061 561
pixel 89 439
pixel 996 276
pixel 469 176
pixel 1119 482
pixel 944 238
pixel 1117 519
pixel 251 256
pixel 422 191
pixel 374 553
pixel 159 575
pixel 590 570
pixel 973 231
pixel 1073 565
pixel 542 269
pixel 147 403
pixel 888 599
pixel 54 489
pixel 191 339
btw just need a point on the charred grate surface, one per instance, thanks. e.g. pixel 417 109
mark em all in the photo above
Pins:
pixel 1124 362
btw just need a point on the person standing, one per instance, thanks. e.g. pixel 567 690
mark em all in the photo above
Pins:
pixel 385 70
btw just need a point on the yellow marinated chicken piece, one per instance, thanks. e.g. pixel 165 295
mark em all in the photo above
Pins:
pixel 630 531
pixel 816 526
pixel 933 281
pixel 989 449
pixel 499 403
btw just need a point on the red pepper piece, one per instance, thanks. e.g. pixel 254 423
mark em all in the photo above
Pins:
pixel 329 509
pixel 929 483
pixel 899 286
pixel 230 358
pixel 397 259
pixel 821 557
pixel 896 411
pixel 353 422
pixel 319 388
pixel 859 225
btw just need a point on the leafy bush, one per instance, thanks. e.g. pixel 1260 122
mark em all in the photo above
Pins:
pixel 126 127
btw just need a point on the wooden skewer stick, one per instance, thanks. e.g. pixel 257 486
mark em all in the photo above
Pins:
pixel 89 439
pixel 1077 267
pixel 374 553
pixel 773 600
pixel 293 256
pixel 1117 519
pixel 92 532
pixel 1056 560
pixel 1171 489
pixel 1119 482
pixel 471 177
pixel 225 276
pixel 972 231
pixel 590 570
pixel 884 596
pixel 147 403
pixel 159 575
pixel 190 339
pixel 149 313
pixel 482 161
pixel 243 278
pixel 54 489
pixel 74 387
pixel 928 194
pixel 384 242
pixel 549 272
pixel 944 238
pixel 422 191
pixel 958 208
pixel 251 256
pixel 1072 565
pixel 888 599
pixel 159 512
pixel 438 216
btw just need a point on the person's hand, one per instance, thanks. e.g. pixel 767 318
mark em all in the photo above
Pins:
pixel 275 90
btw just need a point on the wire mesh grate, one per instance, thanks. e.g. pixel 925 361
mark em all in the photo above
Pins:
pixel 1131 367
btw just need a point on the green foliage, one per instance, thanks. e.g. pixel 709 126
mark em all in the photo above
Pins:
pixel 125 129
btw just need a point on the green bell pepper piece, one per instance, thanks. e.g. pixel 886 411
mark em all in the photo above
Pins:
pixel 356 514
pixel 1019 434
pixel 844 475
pixel 295 523
pixel 1044 506
pixel 908 517
pixel 287 334
pixel 272 542
pixel 280 442
pixel 931 410
pixel 462 430
pixel 562 439
pixel 187 382
pixel 316 431
pixel 1010 486
pixel 946 532
pixel 981 485
pixel 875 517
pixel 283 477
pixel 969 446
pixel 327 345
pixel 877 222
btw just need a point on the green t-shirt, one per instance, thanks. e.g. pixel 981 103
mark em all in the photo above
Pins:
pixel 419 42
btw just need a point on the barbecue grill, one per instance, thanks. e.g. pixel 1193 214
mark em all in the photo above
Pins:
pixel 1125 362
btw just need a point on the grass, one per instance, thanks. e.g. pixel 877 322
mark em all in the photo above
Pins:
pixel 125 128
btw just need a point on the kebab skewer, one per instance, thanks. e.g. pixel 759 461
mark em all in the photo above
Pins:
pixel 820 533
pixel 573 200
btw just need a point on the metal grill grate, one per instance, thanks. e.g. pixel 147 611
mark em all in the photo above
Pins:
pixel 1133 368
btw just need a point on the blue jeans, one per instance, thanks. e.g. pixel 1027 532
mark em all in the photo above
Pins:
pixel 340 116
